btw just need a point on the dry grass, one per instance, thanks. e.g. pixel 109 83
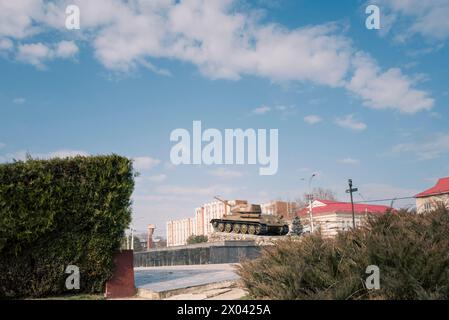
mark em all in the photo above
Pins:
pixel 412 252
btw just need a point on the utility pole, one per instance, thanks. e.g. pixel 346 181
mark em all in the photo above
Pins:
pixel 350 191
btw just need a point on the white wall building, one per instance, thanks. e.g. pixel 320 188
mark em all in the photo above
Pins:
pixel 430 199
pixel 179 230
pixel 333 216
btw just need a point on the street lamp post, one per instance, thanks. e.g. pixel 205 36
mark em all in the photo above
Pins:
pixel 310 198
pixel 132 233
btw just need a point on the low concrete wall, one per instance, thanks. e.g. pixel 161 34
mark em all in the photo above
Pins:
pixel 201 253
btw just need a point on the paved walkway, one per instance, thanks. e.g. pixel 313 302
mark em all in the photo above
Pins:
pixel 198 282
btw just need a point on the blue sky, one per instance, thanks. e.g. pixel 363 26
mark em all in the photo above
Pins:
pixel 371 105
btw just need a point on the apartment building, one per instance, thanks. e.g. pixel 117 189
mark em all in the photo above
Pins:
pixel 207 212
pixel 278 208
pixel 179 230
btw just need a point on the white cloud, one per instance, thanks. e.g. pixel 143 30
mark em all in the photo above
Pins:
pixel 19 100
pixel 312 119
pixel 158 178
pixel 6 44
pixel 349 161
pixel 35 54
pixel 349 122
pixel 432 148
pixel 389 89
pixel 169 166
pixel 426 18
pixel 38 53
pixel 221 40
pixel 435 115
pixel 16 17
pixel 63 153
pixel 145 163
pixel 206 191
pixel 261 110
pixel 226 173
pixel 283 110
pixel 66 49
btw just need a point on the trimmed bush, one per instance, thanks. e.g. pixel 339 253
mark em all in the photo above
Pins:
pixel 196 239
pixel 60 212
pixel 411 251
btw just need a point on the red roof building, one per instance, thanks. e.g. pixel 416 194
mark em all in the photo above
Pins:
pixel 334 216
pixel 441 187
pixel 321 207
pixel 431 198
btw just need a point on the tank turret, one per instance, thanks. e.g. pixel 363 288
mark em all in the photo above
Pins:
pixel 246 209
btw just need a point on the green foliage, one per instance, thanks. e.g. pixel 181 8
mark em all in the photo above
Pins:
pixel 137 245
pixel 297 227
pixel 58 212
pixel 196 239
pixel 410 250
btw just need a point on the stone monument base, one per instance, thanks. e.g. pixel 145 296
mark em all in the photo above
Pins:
pixel 258 240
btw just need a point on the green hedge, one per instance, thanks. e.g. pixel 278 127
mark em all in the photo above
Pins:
pixel 60 212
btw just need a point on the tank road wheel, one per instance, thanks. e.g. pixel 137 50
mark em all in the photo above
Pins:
pixel 236 228
pixel 228 227
pixel 258 229
pixel 252 229
pixel 221 227
pixel 215 225
pixel 281 230
pixel 244 228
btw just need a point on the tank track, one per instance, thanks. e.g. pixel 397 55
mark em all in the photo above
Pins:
pixel 247 227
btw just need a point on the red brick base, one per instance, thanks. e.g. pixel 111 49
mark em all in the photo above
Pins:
pixel 121 284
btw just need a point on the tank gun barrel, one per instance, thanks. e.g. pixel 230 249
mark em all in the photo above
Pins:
pixel 221 200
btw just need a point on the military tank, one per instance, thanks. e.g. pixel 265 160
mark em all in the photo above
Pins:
pixel 248 219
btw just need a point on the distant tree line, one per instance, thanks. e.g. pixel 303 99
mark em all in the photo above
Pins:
pixel 317 194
